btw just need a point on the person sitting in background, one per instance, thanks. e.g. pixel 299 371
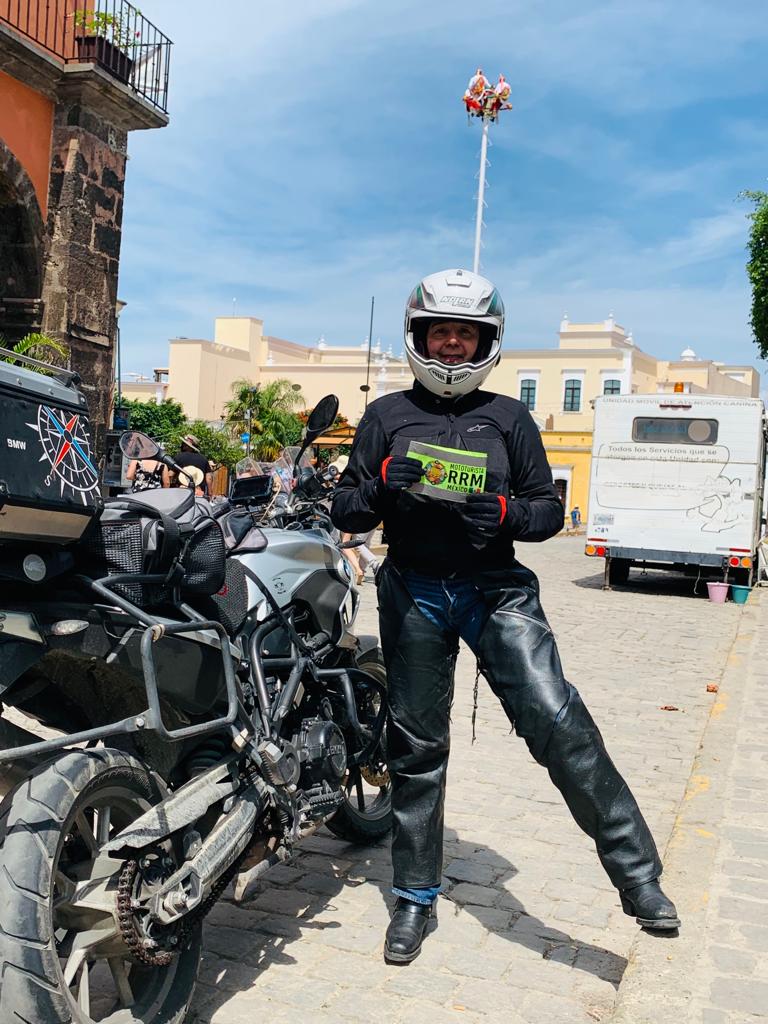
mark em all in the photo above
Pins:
pixel 146 475
pixel 190 455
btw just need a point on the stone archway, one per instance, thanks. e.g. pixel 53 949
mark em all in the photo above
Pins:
pixel 22 244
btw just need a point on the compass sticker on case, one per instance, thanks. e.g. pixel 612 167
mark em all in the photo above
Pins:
pixel 67 450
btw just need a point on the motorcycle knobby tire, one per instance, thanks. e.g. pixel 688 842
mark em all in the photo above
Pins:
pixel 35 819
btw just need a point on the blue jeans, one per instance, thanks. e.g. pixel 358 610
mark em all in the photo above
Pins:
pixel 455 606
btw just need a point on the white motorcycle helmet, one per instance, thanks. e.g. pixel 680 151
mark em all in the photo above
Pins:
pixel 453 295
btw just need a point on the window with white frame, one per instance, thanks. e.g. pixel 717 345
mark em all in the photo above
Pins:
pixel 572 395
pixel 528 393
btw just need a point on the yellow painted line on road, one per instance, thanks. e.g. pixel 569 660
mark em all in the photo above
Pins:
pixel 697 784
pixel 720 705
pixel 704 833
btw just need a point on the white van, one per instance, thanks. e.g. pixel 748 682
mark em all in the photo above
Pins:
pixel 677 483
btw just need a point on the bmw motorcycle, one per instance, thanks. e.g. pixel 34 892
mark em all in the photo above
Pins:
pixel 200 704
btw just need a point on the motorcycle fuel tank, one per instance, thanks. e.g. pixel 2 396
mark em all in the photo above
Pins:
pixel 303 565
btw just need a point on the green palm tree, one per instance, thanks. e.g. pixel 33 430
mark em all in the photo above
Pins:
pixel 267 412
pixel 36 346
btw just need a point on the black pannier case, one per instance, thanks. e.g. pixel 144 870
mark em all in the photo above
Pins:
pixel 49 486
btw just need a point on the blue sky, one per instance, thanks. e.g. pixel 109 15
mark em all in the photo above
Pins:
pixel 318 154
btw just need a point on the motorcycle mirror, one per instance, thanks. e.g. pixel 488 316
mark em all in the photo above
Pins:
pixel 322 417
pixel 135 445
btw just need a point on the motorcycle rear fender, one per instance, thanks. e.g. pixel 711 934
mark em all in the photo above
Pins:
pixel 179 810
pixel 14 772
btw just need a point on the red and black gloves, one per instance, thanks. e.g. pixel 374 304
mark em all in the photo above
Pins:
pixel 484 514
pixel 399 472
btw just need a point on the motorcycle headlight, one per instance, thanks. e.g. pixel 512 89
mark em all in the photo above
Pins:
pixel 343 570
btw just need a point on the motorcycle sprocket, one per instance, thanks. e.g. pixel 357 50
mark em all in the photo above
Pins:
pixel 129 929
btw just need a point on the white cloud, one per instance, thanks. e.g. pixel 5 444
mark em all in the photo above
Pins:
pixel 316 156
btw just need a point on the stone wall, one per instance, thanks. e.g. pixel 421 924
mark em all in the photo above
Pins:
pixel 59 274
pixel 85 211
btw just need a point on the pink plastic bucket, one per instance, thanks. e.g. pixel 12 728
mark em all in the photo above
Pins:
pixel 718 592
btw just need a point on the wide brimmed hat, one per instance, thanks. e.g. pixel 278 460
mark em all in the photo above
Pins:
pixel 191 475
pixel 191 442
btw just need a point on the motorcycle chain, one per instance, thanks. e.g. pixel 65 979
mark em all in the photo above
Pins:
pixel 130 932
pixel 128 929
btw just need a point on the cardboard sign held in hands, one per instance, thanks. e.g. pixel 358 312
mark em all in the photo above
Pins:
pixel 449 473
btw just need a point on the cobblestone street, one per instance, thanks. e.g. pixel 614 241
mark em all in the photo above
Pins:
pixel 529 928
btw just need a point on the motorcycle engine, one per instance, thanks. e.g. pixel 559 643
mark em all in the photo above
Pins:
pixel 323 756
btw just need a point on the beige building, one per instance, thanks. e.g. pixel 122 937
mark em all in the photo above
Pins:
pixel 200 373
pixel 557 384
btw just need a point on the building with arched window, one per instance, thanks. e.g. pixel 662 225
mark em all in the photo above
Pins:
pixel 75 79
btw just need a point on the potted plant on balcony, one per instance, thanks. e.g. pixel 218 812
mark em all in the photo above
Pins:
pixel 102 38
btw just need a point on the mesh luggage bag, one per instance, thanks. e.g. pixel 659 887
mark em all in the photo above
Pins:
pixel 168 532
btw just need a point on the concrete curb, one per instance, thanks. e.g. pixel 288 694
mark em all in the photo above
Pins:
pixel 659 983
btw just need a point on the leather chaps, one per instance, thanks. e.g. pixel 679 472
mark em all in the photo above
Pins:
pixel 518 655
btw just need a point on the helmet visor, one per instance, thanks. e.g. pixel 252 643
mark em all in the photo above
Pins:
pixel 420 327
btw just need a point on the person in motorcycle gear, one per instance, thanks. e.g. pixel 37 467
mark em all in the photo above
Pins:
pixel 451 573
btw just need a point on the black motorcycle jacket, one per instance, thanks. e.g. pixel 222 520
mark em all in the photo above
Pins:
pixel 429 535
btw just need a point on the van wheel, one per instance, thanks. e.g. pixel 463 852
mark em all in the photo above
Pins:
pixel 742 577
pixel 618 572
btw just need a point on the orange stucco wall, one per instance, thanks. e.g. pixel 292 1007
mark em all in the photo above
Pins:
pixel 26 127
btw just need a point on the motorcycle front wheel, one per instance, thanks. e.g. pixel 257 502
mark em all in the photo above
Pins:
pixel 70 955
pixel 366 813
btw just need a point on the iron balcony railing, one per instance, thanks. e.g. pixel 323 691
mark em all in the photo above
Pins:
pixel 111 33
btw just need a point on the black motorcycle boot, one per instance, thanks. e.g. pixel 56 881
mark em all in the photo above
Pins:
pixel 406 931
pixel 650 907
